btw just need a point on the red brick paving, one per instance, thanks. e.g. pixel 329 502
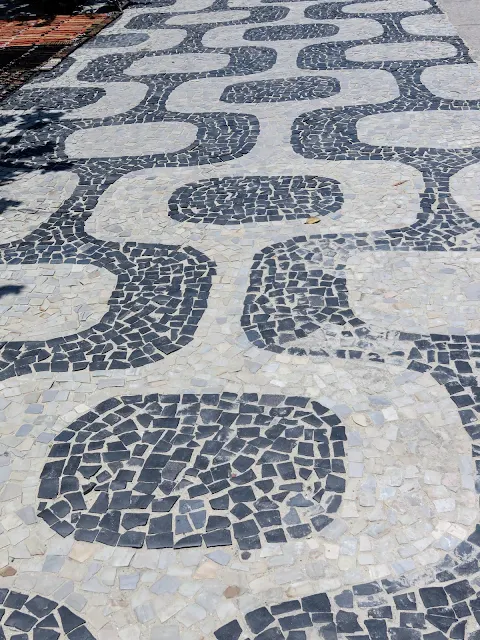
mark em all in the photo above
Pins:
pixel 62 29
pixel 26 44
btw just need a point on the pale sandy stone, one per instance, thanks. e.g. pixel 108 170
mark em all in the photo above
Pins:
pixel 438 129
pixel 130 140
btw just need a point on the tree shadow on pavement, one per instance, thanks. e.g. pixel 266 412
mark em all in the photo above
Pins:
pixel 16 156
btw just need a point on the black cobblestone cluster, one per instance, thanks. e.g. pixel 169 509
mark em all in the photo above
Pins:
pixel 229 201
pixel 25 617
pixel 181 471
pixel 285 90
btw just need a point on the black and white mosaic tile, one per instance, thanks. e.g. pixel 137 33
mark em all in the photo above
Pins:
pixel 160 296
pixel 371 610
pixel 300 286
pixel 251 326
pixel 111 68
pixel 255 199
pixel 148 21
pixel 291 32
pixel 303 88
pixel 333 134
pixel 24 617
pixel 117 40
pixel 57 70
pixel 63 99
pixel 182 471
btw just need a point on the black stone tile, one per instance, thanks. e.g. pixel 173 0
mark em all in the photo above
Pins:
pixel 433 596
pixel 19 620
pixel 259 619
pixel 40 606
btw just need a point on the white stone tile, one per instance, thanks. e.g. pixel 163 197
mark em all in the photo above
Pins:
pixel 178 63
pixel 455 82
pixel 387 6
pixel 430 293
pixel 425 50
pixel 207 17
pixel 437 129
pixel 46 301
pixel 465 188
pixel 430 25
pixel 28 199
pixel 130 140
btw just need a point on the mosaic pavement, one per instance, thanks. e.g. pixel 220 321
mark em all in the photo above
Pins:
pixel 238 398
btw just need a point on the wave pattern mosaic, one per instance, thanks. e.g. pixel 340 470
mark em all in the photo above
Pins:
pixel 239 294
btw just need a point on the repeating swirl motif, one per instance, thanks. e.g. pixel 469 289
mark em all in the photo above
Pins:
pixel 178 471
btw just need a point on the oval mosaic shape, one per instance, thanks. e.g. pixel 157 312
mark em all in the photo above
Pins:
pixel 291 32
pixel 454 82
pixel 240 200
pixel 281 90
pixel 184 470
pixel 387 6
pixel 422 50
pixel 178 63
pixel 432 293
pixel 428 25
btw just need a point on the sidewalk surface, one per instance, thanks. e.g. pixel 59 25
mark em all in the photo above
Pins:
pixel 239 325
